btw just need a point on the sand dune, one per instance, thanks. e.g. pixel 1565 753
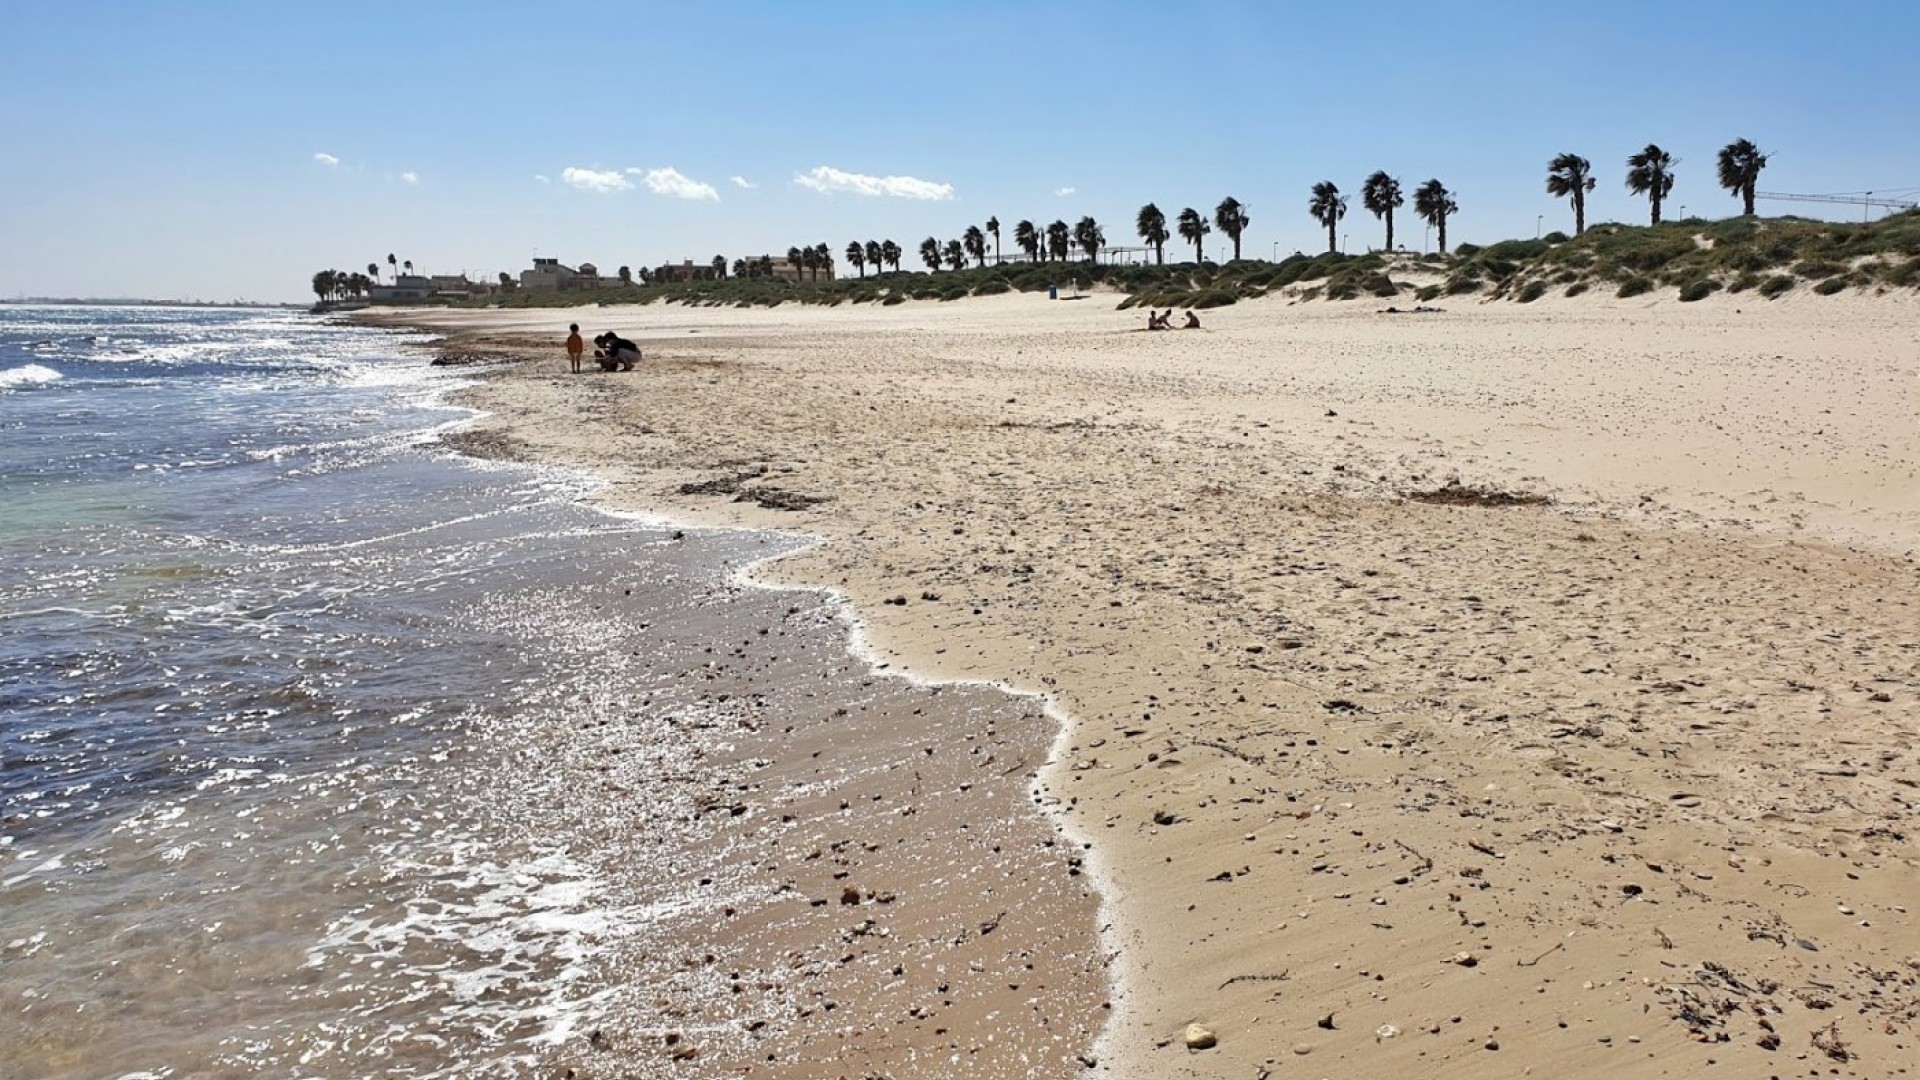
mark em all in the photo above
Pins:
pixel 1620 783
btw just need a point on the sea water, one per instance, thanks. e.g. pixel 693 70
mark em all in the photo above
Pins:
pixel 264 647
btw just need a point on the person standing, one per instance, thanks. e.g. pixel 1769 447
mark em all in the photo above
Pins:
pixel 576 348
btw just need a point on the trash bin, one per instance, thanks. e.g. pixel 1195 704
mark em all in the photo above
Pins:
pixel 1053 292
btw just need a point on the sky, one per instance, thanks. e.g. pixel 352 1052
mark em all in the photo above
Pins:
pixel 215 151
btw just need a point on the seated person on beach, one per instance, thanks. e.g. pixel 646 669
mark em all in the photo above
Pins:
pixel 1153 321
pixel 621 354
pixel 1192 323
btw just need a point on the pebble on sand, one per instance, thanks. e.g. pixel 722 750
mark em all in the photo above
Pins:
pixel 1201 1038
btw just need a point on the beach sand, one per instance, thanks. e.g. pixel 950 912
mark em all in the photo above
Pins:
pixel 1384 766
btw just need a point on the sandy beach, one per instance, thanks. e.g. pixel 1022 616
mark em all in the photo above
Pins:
pixel 1497 690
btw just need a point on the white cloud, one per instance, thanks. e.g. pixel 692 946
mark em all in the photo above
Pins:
pixel 670 183
pixel 326 159
pixel 600 183
pixel 409 177
pixel 828 179
pixel 744 183
pixel 541 178
pixel 1063 192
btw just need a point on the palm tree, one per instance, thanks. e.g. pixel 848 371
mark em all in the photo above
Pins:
pixel 1328 206
pixel 1434 203
pixel 741 268
pixel 810 259
pixel 993 226
pixel 1381 195
pixel 796 259
pixel 956 254
pixel 322 283
pixel 1571 174
pixel 1650 173
pixel 625 274
pixel 890 252
pixel 409 265
pixel 1027 238
pixel 719 264
pixel 1057 240
pixel 976 244
pixel 373 270
pixel 393 264
pixel 822 260
pixel 1151 224
pixel 1233 220
pixel 875 256
pixel 857 255
pixel 1740 165
pixel 1087 234
pixel 930 253
pixel 1193 229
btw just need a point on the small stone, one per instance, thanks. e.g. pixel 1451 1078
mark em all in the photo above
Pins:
pixel 850 895
pixel 1845 910
pixel 1303 1049
pixel 1465 959
pixel 1491 1044
pixel 1386 1031
pixel 1326 1022
pixel 1201 1038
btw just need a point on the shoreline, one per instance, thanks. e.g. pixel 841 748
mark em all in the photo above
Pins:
pixel 1587 757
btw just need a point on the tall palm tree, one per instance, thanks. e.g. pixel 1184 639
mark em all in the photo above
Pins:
pixel 741 268
pixel 373 270
pixel 857 255
pixel 1381 195
pixel 956 253
pixel 391 262
pixel 625 274
pixel 993 226
pixel 1151 224
pixel 930 253
pixel 1193 229
pixel 1027 239
pixel 1740 165
pixel 719 264
pixel 1087 234
pixel 890 253
pixel 1232 218
pixel 875 257
pixel 1650 173
pixel 796 259
pixel 810 262
pixel 823 260
pixel 1571 174
pixel 408 265
pixel 1434 203
pixel 1328 206
pixel 975 242
pixel 1057 240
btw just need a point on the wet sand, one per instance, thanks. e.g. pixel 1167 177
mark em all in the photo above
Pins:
pixel 1381 769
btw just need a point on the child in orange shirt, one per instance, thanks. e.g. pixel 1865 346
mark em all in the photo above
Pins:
pixel 575 347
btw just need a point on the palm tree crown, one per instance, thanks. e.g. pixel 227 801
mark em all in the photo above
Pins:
pixel 1151 224
pixel 993 227
pixel 1328 206
pixel 890 252
pixel 1381 196
pixel 1232 218
pixel 956 253
pixel 1057 240
pixel 930 253
pixel 1027 239
pixel 857 255
pixel 1434 203
pixel 1088 235
pixel 1740 165
pixel 976 244
pixel 1193 229
pixel 1571 174
pixel 1650 173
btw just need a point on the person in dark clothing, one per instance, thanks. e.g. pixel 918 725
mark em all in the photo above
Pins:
pixel 616 353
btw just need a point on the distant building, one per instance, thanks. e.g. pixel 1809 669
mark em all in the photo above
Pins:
pixel 687 270
pixel 548 275
pixel 779 267
pixel 421 289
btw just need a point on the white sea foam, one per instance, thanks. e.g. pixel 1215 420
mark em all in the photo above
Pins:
pixel 30 375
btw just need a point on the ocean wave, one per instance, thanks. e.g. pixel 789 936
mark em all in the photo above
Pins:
pixel 30 375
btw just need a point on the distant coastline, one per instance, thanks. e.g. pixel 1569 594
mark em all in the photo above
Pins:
pixel 75 301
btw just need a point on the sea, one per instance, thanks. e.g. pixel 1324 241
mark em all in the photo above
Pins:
pixel 280 677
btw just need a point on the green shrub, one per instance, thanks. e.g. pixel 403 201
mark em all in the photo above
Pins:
pixel 1578 287
pixel 892 299
pixel 1698 290
pixel 1466 251
pixel 1213 298
pixel 1534 290
pixel 992 288
pixel 1906 275
pixel 1556 237
pixel 1459 286
pixel 1815 269
pixel 1776 285
pixel 1634 286
pixel 1833 285
pixel 1744 282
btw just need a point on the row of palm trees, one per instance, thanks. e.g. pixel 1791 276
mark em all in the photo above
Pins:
pixel 1381 195
pixel 1650 172
pixel 335 285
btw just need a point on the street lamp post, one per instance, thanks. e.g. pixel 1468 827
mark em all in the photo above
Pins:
pixel 1537 219
pixel 1344 237
pixel 1276 252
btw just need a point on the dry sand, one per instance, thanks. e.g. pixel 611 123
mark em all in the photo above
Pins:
pixel 1622 784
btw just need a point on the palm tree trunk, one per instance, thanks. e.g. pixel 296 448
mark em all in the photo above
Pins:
pixel 1389 230
pixel 1333 241
pixel 1443 234
pixel 1579 214
pixel 1746 196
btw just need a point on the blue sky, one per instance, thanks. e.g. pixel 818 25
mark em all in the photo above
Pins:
pixel 175 149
